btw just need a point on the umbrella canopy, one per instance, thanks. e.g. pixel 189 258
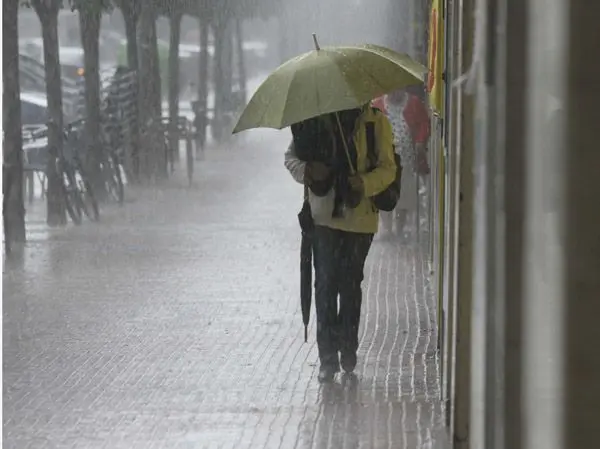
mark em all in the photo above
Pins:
pixel 327 80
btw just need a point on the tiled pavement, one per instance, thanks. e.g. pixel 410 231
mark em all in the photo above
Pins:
pixel 175 323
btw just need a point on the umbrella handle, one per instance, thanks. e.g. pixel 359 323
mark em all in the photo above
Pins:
pixel 346 150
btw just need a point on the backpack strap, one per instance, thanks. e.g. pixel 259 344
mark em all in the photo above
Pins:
pixel 371 152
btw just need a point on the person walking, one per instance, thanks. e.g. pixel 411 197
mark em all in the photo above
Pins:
pixel 339 186
pixel 410 123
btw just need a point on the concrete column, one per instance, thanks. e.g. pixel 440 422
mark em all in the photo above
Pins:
pixel 508 386
pixel 543 249
pixel 448 287
pixel 561 332
pixel 502 207
pixel 464 280
pixel 487 310
pixel 581 369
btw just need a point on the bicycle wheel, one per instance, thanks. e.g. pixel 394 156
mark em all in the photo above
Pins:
pixel 71 195
pixel 89 205
pixel 114 180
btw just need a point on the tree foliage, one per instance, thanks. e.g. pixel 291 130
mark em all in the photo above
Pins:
pixel 226 9
pixel 91 6
pixel 90 19
pixel 230 8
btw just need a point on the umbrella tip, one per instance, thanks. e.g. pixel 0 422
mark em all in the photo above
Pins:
pixel 317 46
pixel 305 334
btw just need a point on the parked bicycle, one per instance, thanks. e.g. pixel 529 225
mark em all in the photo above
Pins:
pixel 77 188
pixel 111 164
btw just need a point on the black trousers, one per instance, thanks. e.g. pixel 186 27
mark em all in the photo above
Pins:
pixel 339 259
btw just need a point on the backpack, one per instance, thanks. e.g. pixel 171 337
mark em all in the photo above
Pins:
pixel 388 199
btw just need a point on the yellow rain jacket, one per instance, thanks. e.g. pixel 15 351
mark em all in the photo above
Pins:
pixel 364 218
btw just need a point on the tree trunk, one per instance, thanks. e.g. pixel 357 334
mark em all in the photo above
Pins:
pixel 151 148
pixel 131 20
pixel 89 25
pixel 131 17
pixel 175 38
pixel 13 206
pixel 48 14
pixel 227 70
pixel 203 81
pixel 159 161
pixel 156 72
pixel 239 41
pixel 218 75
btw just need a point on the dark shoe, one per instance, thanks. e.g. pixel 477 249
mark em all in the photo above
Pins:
pixel 327 373
pixel 348 361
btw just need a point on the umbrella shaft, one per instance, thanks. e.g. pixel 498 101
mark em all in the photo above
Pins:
pixel 346 150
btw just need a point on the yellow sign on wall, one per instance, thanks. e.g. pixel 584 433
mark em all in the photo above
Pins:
pixel 435 83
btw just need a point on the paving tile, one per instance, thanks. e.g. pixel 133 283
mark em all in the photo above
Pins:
pixel 175 323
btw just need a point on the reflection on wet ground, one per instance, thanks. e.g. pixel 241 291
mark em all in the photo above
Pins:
pixel 345 420
pixel 175 323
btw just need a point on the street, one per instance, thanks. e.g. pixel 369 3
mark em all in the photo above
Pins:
pixel 175 323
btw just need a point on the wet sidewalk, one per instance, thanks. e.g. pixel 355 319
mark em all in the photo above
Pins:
pixel 175 323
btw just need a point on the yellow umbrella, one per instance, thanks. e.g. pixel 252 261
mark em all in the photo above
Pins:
pixel 327 80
